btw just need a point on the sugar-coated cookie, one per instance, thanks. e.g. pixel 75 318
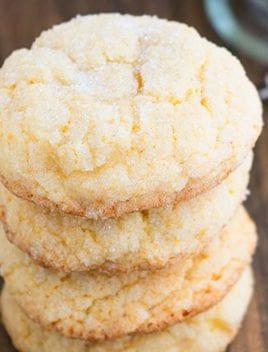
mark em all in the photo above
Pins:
pixel 109 114
pixel 211 331
pixel 143 240
pixel 95 306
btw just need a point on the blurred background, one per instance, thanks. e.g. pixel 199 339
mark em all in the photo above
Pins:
pixel 241 26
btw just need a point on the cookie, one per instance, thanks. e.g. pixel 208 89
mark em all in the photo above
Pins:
pixel 95 306
pixel 211 331
pixel 143 240
pixel 110 114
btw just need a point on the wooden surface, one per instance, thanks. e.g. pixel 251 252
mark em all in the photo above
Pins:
pixel 22 20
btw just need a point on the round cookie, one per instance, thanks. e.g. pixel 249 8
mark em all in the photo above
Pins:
pixel 95 306
pixel 110 114
pixel 211 331
pixel 142 240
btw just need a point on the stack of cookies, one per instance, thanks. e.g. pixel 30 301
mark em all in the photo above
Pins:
pixel 125 151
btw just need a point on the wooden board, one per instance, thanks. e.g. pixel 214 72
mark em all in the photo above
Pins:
pixel 21 21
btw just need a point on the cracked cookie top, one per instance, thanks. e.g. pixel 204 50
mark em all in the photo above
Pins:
pixel 93 306
pixel 109 114
pixel 207 332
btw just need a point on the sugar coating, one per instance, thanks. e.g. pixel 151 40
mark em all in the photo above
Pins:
pixel 142 240
pixel 111 109
pixel 211 331
pixel 95 306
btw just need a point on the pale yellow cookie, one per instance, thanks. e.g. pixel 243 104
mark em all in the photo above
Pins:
pixel 95 306
pixel 110 114
pixel 211 331
pixel 142 240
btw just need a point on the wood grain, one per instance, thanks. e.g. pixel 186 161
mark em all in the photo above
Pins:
pixel 22 21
